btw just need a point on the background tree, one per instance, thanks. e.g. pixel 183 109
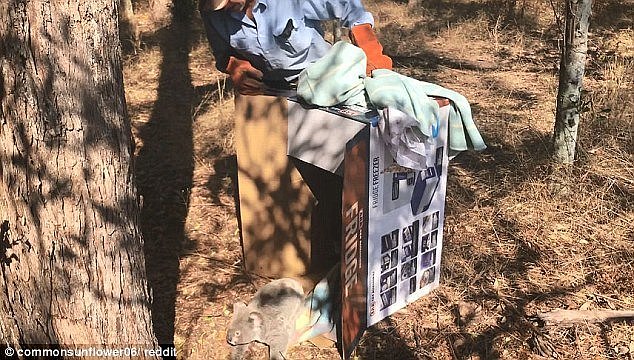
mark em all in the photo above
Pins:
pixel 128 27
pixel 571 71
pixel 72 264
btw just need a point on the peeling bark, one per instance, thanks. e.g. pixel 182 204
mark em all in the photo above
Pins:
pixel 571 71
pixel 72 262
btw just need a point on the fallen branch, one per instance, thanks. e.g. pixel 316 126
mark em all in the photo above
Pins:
pixel 571 317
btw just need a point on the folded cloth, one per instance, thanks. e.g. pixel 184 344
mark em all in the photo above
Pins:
pixel 387 88
pixel 339 78
pixel 336 78
pixel 406 143
pixel 318 316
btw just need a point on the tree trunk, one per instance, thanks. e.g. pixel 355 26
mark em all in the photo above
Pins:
pixel 71 254
pixel 572 67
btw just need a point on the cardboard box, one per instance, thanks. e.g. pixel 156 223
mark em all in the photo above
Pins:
pixel 288 210
pixel 289 207
pixel 392 225
pixel 317 186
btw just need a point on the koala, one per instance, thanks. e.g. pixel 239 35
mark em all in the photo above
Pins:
pixel 269 318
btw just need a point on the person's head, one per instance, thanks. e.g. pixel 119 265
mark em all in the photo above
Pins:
pixel 230 5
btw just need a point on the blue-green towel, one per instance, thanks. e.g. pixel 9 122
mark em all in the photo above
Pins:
pixel 339 78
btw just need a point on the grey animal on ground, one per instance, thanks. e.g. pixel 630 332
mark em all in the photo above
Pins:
pixel 269 318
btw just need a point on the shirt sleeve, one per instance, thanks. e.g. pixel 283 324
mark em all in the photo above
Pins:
pixel 350 12
pixel 219 46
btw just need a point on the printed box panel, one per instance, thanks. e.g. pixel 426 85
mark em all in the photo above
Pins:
pixel 354 257
pixel 392 230
pixel 405 229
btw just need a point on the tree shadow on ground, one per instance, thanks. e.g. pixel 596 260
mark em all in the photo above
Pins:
pixel 224 180
pixel 164 173
pixel 612 15
pixel 382 341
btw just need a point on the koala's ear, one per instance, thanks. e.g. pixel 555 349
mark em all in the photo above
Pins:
pixel 237 306
pixel 255 317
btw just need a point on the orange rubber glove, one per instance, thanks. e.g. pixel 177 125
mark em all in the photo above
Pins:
pixel 246 79
pixel 363 36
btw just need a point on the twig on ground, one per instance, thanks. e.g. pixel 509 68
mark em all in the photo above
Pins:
pixel 571 317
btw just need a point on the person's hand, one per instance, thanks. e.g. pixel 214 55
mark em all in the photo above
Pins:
pixel 364 37
pixel 246 79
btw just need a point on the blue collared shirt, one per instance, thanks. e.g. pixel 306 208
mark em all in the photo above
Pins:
pixel 288 35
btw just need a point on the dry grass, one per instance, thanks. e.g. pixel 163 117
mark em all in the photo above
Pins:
pixel 522 234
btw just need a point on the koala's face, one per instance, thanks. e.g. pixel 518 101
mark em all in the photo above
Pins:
pixel 245 327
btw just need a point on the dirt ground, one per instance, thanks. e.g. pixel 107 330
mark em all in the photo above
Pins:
pixel 522 235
